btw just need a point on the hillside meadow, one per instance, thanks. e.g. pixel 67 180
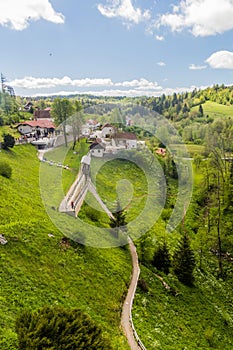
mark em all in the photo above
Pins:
pixel 40 267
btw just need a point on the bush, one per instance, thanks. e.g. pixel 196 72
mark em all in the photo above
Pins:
pixel 8 141
pixel 57 328
pixel 5 170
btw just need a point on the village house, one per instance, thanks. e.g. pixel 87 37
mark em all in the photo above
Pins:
pixel 36 127
pixel 42 113
pixel 108 130
pixel 97 149
pixel 126 139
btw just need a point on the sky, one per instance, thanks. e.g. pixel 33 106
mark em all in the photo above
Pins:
pixel 115 47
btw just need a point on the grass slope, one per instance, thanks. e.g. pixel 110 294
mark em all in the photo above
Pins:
pixel 38 269
pixel 197 318
pixel 215 110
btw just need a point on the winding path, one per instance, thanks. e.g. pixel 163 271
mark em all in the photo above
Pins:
pixel 126 316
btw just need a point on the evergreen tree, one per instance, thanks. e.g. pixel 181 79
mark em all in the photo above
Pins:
pixel 161 259
pixel 184 261
pixel 8 141
pixel 57 328
pixel 119 221
pixel 201 112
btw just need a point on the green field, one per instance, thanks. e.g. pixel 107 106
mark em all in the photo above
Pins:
pixel 196 318
pixel 38 268
pixel 215 110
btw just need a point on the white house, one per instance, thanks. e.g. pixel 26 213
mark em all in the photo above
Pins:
pixel 97 149
pixel 107 130
pixel 126 139
pixel 41 127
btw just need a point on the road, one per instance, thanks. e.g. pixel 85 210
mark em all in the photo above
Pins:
pixel 127 307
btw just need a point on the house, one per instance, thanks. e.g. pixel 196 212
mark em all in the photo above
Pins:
pixel 97 149
pixel 107 130
pixel 42 113
pixel 28 107
pixel 36 127
pixel 127 139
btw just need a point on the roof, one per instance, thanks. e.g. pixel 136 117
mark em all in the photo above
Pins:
pixel 45 123
pixel 107 125
pixel 97 145
pixel 86 160
pixel 126 136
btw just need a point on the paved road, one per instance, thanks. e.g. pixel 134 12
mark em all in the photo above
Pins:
pixel 127 307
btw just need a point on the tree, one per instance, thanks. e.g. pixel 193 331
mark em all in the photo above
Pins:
pixel 8 141
pixel 201 112
pixel 161 259
pixel 76 122
pixel 56 328
pixel 119 221
pixel 184 261
pixel 62 109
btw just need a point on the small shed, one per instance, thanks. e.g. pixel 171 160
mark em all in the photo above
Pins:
pixel 85 163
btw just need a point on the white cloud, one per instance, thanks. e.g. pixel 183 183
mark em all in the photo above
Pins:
pixel 98 87
pixel 161 64
pixel 202 17
pixel 124 10
pixel 159 38
pixel 139 84
pixel 16 14
pixel 196 67
pixel 221 59
pixel 45 83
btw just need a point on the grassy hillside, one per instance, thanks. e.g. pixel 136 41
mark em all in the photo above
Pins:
pixel 39 268
pixel 215 110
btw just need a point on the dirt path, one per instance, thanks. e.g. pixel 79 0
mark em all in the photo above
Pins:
pixel 126 318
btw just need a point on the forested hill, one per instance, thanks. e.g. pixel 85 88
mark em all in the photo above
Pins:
pixel 178 106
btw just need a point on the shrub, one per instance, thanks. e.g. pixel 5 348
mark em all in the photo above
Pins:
pixel 59 328
pixel 5 170
pixel 8 141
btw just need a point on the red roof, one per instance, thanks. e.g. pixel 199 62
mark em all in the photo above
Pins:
pixel 126 136
pixel 45 123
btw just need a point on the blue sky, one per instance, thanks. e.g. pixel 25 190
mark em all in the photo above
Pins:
pixel 115 47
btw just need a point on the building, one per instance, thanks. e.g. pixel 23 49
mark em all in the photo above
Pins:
pixel 36 127
pixel 42 113
pixel 108 131
pixel 97 149
pixel 127 139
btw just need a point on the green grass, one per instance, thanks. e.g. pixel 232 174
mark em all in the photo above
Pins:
pixel 37 269
pixel 8 130
pixel 215 110
pixel 197 318
pixel 191 149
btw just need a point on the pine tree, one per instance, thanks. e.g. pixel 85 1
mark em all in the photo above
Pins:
pixel 119 221
pixel 59 328
pixel 184 261
pixel 201 112
pixel 161 259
